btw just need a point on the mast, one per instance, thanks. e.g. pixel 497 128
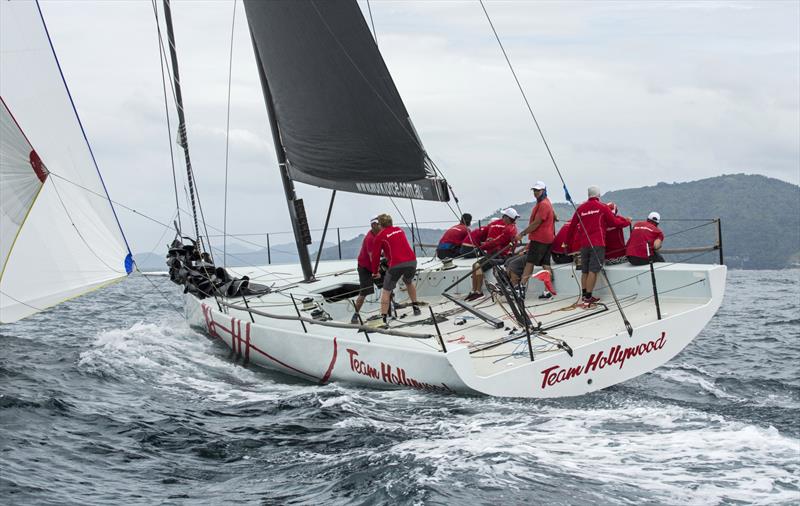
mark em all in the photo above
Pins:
pixel 297 212
pixel 182 138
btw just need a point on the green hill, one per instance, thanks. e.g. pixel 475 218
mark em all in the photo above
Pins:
pixel 759 216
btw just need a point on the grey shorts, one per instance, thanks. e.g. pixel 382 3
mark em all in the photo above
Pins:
pixel 405 270
pixel 539 253
pixel 365 282
pixel 516 264
pixel 592 262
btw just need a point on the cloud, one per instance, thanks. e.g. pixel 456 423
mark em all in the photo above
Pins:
pixel 627 93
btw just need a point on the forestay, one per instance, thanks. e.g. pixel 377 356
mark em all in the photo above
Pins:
pixel 60 237
pixel 342 122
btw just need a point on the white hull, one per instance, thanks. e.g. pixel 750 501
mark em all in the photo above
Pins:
pixel 603 353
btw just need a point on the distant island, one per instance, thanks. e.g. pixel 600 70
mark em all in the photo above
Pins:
pixel 760 228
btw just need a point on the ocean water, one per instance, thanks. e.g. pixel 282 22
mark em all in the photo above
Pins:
pixel 112 399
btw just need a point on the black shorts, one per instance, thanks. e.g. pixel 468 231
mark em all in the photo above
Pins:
pixel 644 261
pixel 469 251
pixel 561 258
pixel 592 259
pixel 539 253
pixel 405 270
pixel 487 264
pixel 365 282
pixel 442 253
pixel 516 264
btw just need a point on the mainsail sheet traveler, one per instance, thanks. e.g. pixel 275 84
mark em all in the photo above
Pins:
pixel 615 241
pixel 500 237
pixel 451 241
pixel 392 242
pixel 589 224
pixel 364 267
pixel 645 241
pixel 541 232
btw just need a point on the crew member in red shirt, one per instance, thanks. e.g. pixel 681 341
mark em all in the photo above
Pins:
pixel 450 243
pixel 500 236
pixel 646 239
pixel 560 253
pixel 470 246
pixel 365 268
pixel 541 231
pixel 392 242
pixel 589 224
pixel 615 241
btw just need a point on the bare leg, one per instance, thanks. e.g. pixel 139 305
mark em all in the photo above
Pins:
pixel 412 292
pixel 477 280
pixel 385 296
pixel 513 277
pixel 591 279
pixel 526 274
pixel 583 280
pixel 359 302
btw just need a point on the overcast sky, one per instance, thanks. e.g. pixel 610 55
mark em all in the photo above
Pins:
pixel 628 94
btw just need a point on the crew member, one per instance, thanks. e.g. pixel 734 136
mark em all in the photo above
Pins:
pixel 392 242
pixel 646 239
pixel 364 268
pixel 500 236
pixel 589 224
pixel 470 248
pixel 559 253
pixel 450 243
pixel 615 241
pixel 541 232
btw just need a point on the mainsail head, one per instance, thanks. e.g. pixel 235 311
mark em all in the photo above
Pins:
pixel 59 237
pixel 340 117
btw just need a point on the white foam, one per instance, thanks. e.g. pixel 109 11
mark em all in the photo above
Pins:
pixel 654 447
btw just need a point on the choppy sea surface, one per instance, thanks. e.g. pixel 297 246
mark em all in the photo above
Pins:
pixel 112 399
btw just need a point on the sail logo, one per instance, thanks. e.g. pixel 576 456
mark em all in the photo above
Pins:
pixel 404 190
pixel 390 375
pixel 597 361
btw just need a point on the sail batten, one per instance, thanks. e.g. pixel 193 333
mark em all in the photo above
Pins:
pixel 342 122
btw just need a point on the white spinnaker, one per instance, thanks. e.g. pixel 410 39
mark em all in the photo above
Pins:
pixel 70 242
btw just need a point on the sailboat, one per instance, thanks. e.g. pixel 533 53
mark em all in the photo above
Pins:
pixel 338 122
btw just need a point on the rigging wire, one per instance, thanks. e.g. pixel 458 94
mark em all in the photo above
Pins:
pixel 161 57
pixel 183 140
pixel 227 151
pixel 628 326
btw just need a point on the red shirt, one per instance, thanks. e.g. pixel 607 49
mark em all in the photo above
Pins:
pixel 561 236
pixel 546 230
pixel 366 249
pixel 643 235
pixel 394 245
pixel 595 217
pixel 615 243
pixel 476 237
pixel 454 236
pixel 499 235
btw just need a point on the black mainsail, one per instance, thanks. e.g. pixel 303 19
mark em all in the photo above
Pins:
pixel 340 119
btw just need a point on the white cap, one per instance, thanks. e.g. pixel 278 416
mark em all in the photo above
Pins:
pixel 374 219
pixel 539 186
pixel 511 213
pixel 593 191
pixel 654 216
